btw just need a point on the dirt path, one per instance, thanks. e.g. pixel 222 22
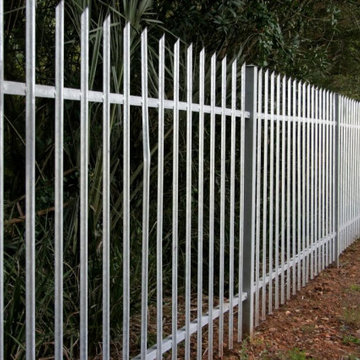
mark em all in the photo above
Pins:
pixel 321 322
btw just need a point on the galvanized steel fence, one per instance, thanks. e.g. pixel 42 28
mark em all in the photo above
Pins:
pixel 286 193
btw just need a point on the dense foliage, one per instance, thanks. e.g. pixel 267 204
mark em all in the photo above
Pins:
pixel 317 41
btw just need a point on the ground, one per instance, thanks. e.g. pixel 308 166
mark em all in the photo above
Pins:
pixel 321 322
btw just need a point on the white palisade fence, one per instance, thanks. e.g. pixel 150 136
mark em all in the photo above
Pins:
pixel 284 202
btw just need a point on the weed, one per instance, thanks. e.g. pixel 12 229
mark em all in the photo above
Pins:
pixel 296 354
pixel 355 287
pixel 349 339
pixel 265 355
pixel 257 341
pixel 352 316
pixel 243 353
pixel 352 357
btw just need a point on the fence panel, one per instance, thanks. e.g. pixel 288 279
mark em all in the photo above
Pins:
pixel 263 195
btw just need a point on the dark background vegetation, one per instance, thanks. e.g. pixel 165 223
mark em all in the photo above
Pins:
pixel 316 41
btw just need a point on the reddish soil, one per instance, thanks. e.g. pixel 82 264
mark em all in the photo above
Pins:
pixel 321 322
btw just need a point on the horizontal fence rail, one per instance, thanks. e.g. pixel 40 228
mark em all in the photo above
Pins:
pixel 263 195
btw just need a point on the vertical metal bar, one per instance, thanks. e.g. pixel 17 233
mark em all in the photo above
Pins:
pixel 337 173
pixel 321 178
pixel 351 170
pixel 298 171
pixel 345 139
pixel 348 142
pixel 327 180
pixel 345 116
pixel 84 161
pixel 271 190
pixel 222 205
pixel 308 183
pixel 175 200
pixel 277 191
pixel 350 167
pixel 106 191
pixel 327 177
pixel 312 218
pixel 319 126
pixel 30 179
pixel 59 170
pixel 324 191
pixel 126 196
pixel 160 200
pixel 345 173
pixel 357 190
pixel 2 165
pixel 288 188
pixel 356 130
pixel 212 205
pixel 325 164
pixel 249 197
pixel 304 146
pixel 342 189
pixel 200 203
pixel 338 131
pixel 188 200
pixel 241 210
pixel 293 184
pixel 347 182
pixel 265 196
pixel 354 170
pixel 316 165
pixel 283 199
pixel 348 164
pixel 320 163
pixel 146 192
pixel 343 184
pixel 331 177
pixel 232 202
pixel 357 166
pixel 258 195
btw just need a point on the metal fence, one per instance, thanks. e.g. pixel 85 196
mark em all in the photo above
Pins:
pixel 282 192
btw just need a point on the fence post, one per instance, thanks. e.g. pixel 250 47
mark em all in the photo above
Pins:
pixel 249 197
pixel 336 178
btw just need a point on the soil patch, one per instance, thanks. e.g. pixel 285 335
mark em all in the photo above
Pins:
pixel 321 322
